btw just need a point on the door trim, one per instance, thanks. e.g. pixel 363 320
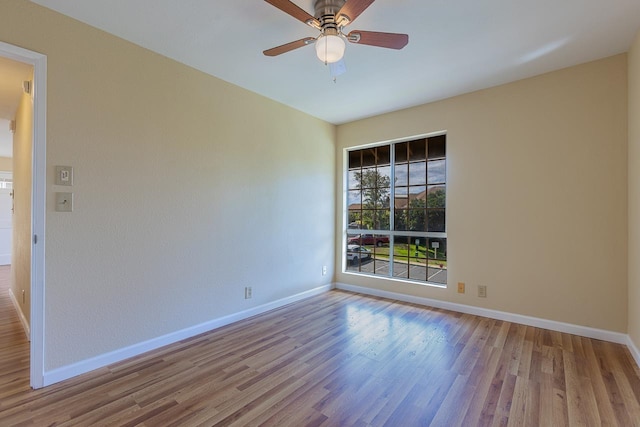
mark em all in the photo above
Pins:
pixel 38 204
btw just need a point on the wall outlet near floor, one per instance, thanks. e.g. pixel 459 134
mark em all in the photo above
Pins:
pixel 248 292
pixel 324 270
pixel 482 291
pixel 461 287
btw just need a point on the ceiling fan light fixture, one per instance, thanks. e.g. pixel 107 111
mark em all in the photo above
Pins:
pixel 330 48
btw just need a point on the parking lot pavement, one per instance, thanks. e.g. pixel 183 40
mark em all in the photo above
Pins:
pixel 412 271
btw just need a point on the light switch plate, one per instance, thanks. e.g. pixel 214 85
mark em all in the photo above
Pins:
pixel 64 175
pixel 64 202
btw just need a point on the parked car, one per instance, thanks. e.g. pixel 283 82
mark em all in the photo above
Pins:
pixel 368 239
pixel 357 252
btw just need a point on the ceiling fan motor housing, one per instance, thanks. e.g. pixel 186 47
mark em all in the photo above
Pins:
pixel 325 12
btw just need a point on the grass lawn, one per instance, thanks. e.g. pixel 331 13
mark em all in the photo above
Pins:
pixel 402 251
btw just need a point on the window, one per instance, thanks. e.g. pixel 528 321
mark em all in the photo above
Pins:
pixel 396 203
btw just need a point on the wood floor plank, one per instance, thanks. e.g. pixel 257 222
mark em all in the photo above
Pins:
pixel 338 359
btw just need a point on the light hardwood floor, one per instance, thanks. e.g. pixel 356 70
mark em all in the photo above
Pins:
pixel 339 359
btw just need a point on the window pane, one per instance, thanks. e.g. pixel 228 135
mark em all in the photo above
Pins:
pixel 436 146
pixel 353 179
pixel 437 253
pixel 368 219
pixel 401 198
pixel 402 174
pixel 417 271
pixel 380 197
pixel 355 219
pixel 376 220
pixel 401 256
pixel 436 220
pixel 356 257
pixel 355 161
pixel 418 248
pixel 418 173
pixel 416 220
pixel 378 245
pixel 366 178
pixel 368 157
pixel 400 219
pixel 417 196
pixel 436 172
pixel 401 267
pixel 418 150
pixel 382 221
pixel 384 156
pixel 353 199
pixel 438 249
pixel 437 196
pixel 381 266
pixel 401 246
pixel 437 275
pixel 401 152
pixel 384 176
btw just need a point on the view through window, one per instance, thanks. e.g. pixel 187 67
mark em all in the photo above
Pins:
pixel 407 240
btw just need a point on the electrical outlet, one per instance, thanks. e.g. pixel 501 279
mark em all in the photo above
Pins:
pixel 324 270
pixel 248 292
pixel 482 291
pixel 461 287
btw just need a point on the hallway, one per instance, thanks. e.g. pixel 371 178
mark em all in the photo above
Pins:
pixel 14 346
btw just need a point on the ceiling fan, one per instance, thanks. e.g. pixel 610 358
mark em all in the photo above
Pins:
pixel 331 16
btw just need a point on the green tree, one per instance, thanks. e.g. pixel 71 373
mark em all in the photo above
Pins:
pixel 437 199
pixel 416 215
pixel 375 189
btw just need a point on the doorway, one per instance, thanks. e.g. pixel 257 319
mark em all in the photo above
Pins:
pixel 38 197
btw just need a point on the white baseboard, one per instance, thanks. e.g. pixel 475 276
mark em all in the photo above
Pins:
pixel 569 328
pixel 633 349
pixel 23 319
pixel 60 374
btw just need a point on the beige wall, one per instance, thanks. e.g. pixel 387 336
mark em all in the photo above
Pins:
pixel 21 240
pixel 187 189
pixel 537 190
pixel 634 192
pixel 6 164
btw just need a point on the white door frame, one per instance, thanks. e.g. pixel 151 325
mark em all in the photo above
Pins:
pixel 38 203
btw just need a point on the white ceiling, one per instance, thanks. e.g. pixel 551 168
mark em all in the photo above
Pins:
pixel 12 74
pixel 454 46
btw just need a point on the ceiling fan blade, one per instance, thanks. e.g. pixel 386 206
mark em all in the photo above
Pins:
pixel 294 10
pixel 279 50
pixel 352 9
pixel 375 38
